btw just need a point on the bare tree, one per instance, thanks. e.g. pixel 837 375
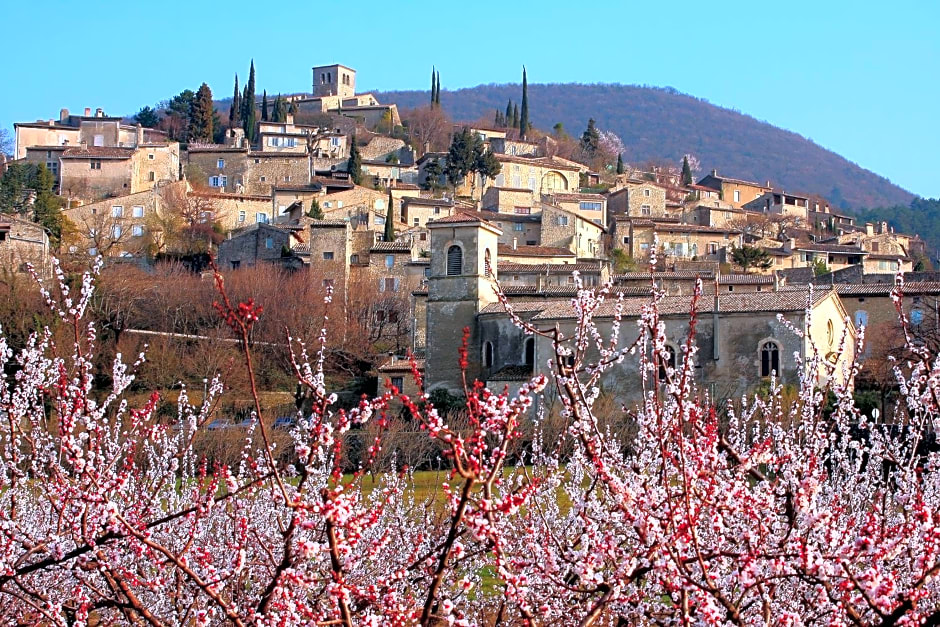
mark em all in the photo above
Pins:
pixel 429 128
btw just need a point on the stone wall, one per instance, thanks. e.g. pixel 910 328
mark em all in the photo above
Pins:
pixel 23 242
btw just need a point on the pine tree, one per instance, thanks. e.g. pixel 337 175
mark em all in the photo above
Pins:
pixel 619 164
pixel 315 212
pixel 264 106
pixel 200 116
pixel 524 113
pixel 234 112
pixel 515 116
pixel 249 116
pixel 686 171
pixel 147 117
pixel 590 140
pixel 390 219
pixel 47 206
pixel 354 166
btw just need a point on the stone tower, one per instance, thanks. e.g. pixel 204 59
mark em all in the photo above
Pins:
pixel 462 282
pixel 334 80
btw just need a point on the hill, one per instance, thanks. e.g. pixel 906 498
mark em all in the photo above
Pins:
pixel 663 124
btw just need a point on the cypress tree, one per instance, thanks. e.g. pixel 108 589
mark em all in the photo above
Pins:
pixel 234 112
pixel 437 91
pixel 686 171
pixel 293 107
pixel 515 116
pixel 524 113
pixel 280 109
pixel 249 117
pixel 201 115
pixel 619 164
pixel 264 106
pixel 508 116
pixel 390 219
pixel 354 166
pixel 433 85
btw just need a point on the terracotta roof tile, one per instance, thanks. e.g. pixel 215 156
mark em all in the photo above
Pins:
pixel 98 152
pixel 533 251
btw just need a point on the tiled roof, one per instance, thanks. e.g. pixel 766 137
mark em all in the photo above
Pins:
pixel 831 248
pixel 328 223
pixel 98 152
pixel 681 275
pixel 510 267
pixel 401 364
pixel 434 202
pixel 301 249
pixel 461 217
pixel 586 196
pixel 511 373
pixel 533 251
pixel 215 148
pixel 390 247
pixel 884 289
pixel 745 279
pixel 693 228
pixel 888 256
pixel 544 162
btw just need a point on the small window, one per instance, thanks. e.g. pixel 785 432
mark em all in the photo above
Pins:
pixel 261 218
pixel 389 261
pixel 861 318
pixel 487 265
pixel 116 231
pixel 562 220
pixel 117 211
pixel 529 352
pixel 737 196
pixel 152 176
pixel 626 239
pixel 327 255
pixel 437 211
pixel 95 164
pixel 423 236
pixel 137 230
pixel 454 261
pixel 487 354
pixel 769 359
pixel 518 226
pixel 353 259
pixel 391 284
pixel 263 179
pixel 646 210
pixel 220 164
pixel 730 288
pixel 646 193
pixel 150 156
pixel 137 211
pixel 269 242
pixel 398 383
pixel 522 210
pixel 241 215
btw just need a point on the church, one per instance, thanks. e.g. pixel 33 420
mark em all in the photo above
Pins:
pixel 741 337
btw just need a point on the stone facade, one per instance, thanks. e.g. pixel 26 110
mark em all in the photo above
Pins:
pixel 416 212
pixel 235 211
pixel 565 229
pixel 253 245
pixel 21 243
pixel 510 200
pixel 240 171
pixel 641 199
pixel 93 173
pixel 735 192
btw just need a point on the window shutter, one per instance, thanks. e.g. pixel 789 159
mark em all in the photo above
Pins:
pixel 381 285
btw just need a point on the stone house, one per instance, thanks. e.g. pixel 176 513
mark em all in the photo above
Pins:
pixel 563 228
pixel 236 211
pixel 589 206
pixel 387 174
pixel 21 243
pixel 96 130
pixel 676 241
pixel 518 200
pixel 533 255
pixel 398 372
pixel 544 275
pixel 515 147
pixel 736 192
pixel 258 243
pixel 779 202
pixel 718 214
pixel 636 198
pixel 541 175
pixel 416 211
pixel 741 341
pixel 91 173
pixel 120 226
pixel 240 170
pixel 48 156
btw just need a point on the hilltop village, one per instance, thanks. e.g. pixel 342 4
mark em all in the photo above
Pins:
pixel 426 215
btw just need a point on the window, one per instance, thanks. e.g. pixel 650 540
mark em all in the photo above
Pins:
pixel 712 248
pixel 522 210
pixel 287 178
pixel 626 239
pixel 241 215
pixel 52 166
pixel 390 284
pixel 646 193
pixel 454 261
pixel 95 164
pixel 437 211
pixel 562 220
pixel 137 211
pixel 150 156
pixel 529 352
pixel 98 140
pixel 516 181
pixel 258 161
pixel 398 382
pixel 487 264
pixel 116 231
pixel 730 288
pixel 261 218
pixel 137 230
pixel 327 255
pixel 389 261
pixel 830 333
pixel 220 164
pixel 590 206
pixel 380 315
pixel 263 179
pixel 646 210
pixel 518 226
pixel 218 181
pixel 737 196
pixel 487 354
pixel 269 242
pixel 917 317
pixel 668 364
pixel 532 183
pixel 423 236
pixel 417 221
pixel 769 359
pixel 152 176
pixel 379 220
pixel 117 211
pixel 353 259
pixel 861 318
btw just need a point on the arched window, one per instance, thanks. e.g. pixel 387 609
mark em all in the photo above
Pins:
pixel 530 352
pixel 487 354
pixel 769 358
pixel 454 261
pixel 487 268
pixel 861 318
pixel 670 362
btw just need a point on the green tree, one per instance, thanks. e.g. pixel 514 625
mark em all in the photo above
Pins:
pixel 280 109
pixel 147 117
pixel 354 165
pixel 200 116
pixel 819 267
pixel 622 261
pixel 433 172
pixel 487 165
pixel 507 117
pixel 524 110
pixel 748 257
pixel 686 172
pixel 15 184
pixel 389 234
pixel 179 109
pixel 315 211
pixel 515 116
pixel 47 208
pixel 590 139
pixel 249 115
pixel 620 164
pixel 461 157
pixel 234 111
pixel 558 129
pixel 433 86
pixel 264 106
pixel 293 107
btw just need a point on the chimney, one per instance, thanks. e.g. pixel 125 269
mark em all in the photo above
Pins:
pixel 87 112
pixel 869 228
pixel 51 122
pixel 84 145
pixel 99 112
pixel 768 183
pixel 789 245
pixel 778 281
pixel 715 172
pixel 140 134
pixel 290 118
pixel 515 242
pixel 63 115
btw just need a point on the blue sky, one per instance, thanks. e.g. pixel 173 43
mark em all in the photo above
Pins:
pixel 860 78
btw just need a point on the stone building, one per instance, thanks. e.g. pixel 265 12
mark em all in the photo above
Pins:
pixel 90 173
pixel 637 237
pixel 236 211
pixel 416 211
pixel 255 244
pixel 245 171
pixel 736 192
pixel 636 198
pixel 21 243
